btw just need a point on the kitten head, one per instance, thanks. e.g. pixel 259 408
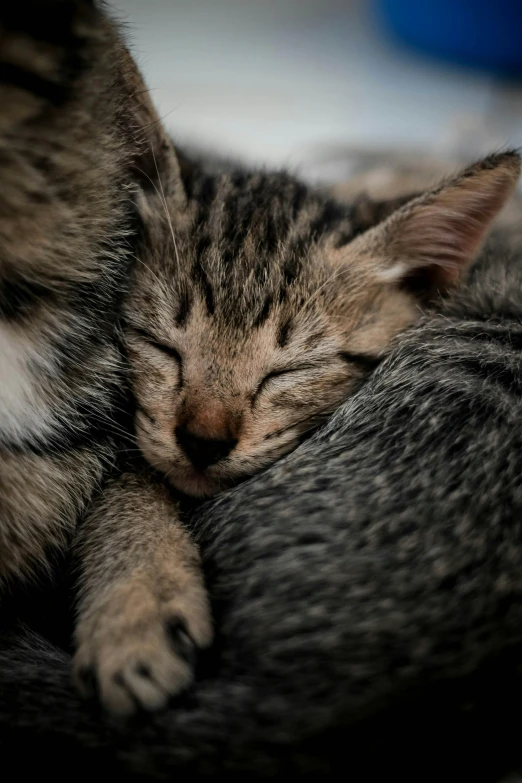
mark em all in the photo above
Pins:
pixel 257 307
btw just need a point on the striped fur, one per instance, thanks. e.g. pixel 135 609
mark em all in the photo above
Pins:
pixel 259 304
pixel 74 122
pixel 77 135
pixel 255 306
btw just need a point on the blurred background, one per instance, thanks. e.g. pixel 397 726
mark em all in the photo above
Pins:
pixel 318 84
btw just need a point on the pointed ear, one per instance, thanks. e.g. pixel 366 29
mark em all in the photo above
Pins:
pixel 428 244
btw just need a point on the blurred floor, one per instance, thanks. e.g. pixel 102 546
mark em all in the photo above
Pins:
pixel 287 82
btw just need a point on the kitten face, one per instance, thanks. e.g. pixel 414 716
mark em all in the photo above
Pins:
pixel 252 316
pixel 250 394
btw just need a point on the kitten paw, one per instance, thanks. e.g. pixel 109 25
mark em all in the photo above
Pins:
pixel 137 650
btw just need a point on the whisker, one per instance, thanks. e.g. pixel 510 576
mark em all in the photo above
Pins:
pixel 337 273
pixel 160 119
pixel 166 209
pixel 146 267
pixel 162 198
pixel 169 472
pixel 139 426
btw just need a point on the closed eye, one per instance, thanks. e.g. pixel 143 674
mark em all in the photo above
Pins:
pixel 168 350
pixel 363 361
pixel 278 374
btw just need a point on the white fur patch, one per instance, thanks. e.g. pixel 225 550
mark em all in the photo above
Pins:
pixel 25 412
pixel 391 273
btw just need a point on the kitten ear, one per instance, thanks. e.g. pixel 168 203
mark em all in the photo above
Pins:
pixel 428 244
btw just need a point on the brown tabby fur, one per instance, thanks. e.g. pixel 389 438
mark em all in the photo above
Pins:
pixel 255 307
pixel 76 133
pixel 254 312
pixel 72 125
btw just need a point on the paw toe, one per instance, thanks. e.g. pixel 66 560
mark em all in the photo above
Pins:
pixel 180 640
pixel 146 691
pixel 115 696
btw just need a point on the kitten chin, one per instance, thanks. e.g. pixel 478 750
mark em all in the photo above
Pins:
pixel 183 477
pixel 195 484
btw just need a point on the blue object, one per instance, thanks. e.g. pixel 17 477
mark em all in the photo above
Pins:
pixel 483 33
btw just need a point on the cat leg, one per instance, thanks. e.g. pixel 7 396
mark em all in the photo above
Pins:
pixel 143 611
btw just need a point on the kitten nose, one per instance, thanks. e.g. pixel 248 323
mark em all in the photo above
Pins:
pixel 203 452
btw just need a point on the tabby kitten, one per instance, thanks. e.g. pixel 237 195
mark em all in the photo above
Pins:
pixel 256 307
pixel 256 311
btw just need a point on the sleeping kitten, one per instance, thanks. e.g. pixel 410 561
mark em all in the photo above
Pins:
pixel 257 306
pixel 256 312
